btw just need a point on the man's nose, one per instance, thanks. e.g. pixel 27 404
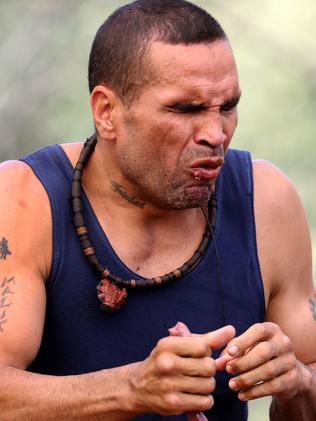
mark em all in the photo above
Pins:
pixel 211 132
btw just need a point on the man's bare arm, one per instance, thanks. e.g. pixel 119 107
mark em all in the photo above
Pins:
pixel 292 294
pixel 94 396
pixel 176 377
pixel 277 358
pixel 25 253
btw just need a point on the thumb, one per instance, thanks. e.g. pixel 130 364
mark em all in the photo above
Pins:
pixel 220 337
pixel 222 360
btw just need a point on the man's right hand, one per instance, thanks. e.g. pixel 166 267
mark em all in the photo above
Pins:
pixel 178 375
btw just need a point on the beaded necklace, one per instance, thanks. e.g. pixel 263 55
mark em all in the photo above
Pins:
pixel 112 290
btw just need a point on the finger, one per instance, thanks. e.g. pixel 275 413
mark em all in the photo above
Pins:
pixel 198 367
pixel 260 354
pixel 220 337
pixel 187 402
pixel 268 371
pixel 196 347
pixel 283 385
pixel 256 333
pixel 172 364
pixel 222 361
pixel 195 385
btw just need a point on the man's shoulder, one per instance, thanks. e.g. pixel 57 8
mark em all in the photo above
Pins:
pixel 15 172
pixel 19 185
pixel 275 197
pixel 271 180
pixel 25 216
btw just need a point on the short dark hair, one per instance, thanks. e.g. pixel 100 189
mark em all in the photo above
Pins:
pixel 118 53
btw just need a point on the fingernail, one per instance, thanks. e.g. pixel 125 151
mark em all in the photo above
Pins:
pixel 233 384
pixel 233 349
pixel 242 396
pixel 229 369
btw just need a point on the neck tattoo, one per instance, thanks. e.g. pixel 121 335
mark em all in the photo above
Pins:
pixel 118 188
pixel 112 290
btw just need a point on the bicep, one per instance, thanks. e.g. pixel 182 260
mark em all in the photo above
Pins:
pixel 293 305
pixel 22 312
pixel 24 247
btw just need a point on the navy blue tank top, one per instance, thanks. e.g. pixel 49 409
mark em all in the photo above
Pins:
pixel 79 338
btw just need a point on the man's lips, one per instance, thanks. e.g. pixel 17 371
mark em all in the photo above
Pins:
pixel 207 168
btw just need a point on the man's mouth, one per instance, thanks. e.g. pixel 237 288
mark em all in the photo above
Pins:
pixel 207 168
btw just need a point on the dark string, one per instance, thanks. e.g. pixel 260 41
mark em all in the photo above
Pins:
pixel 218 268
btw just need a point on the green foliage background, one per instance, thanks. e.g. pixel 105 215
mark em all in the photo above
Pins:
pixel 44 48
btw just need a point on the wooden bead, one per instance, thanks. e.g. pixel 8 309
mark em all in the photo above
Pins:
pixel 79 167
pixel 88 251
pixel 78 220
pixel 77 174
pixel 105 273
pixel 157 280
pixel 177 273
pixel 92 259
pixel 76 204
pixel 82 231
pixel 76 189
pixel 85 243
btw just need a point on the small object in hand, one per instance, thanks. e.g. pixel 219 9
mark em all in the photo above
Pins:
pixel 180 329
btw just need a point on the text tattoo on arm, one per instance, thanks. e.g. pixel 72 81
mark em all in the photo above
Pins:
pixel 6 293
pixel 312 306
pixel 4 249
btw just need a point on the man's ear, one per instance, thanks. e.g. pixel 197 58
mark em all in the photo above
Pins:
pixel 103 101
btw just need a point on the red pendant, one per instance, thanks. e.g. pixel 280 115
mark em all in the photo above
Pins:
pixel 110 295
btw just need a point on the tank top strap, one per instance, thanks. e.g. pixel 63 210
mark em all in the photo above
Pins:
pixel 54 170
pixel 236 234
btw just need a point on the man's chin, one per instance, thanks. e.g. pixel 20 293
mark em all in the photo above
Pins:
pixel 195 198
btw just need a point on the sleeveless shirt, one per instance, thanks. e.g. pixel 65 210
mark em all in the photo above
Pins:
pixel 78 338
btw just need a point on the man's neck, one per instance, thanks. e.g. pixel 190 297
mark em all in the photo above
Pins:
pixel 149 240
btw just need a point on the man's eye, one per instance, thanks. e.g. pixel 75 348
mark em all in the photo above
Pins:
pixel 226 108
pixel 187 108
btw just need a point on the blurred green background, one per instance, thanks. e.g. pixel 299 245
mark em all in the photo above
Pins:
pixel 44 48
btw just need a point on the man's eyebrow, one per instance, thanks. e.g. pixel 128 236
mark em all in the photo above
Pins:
pixel 187 106
pixel 232 102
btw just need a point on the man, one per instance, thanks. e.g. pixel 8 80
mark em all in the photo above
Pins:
pixel 145 193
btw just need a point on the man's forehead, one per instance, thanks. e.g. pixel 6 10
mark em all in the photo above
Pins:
pixel 215 57
pixel 195 65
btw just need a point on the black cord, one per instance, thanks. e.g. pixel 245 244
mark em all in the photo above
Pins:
pixel 218 267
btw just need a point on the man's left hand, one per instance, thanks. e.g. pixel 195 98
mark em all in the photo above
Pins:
pixel 263 362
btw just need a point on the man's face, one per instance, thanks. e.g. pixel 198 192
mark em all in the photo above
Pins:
pixel 170 144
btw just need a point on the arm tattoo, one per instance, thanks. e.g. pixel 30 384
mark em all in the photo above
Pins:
pixel 4 249
pixel 312 306
pixel 123 193
pixel 6 292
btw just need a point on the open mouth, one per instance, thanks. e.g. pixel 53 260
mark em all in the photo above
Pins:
pixel 206 169
pixel 206 173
